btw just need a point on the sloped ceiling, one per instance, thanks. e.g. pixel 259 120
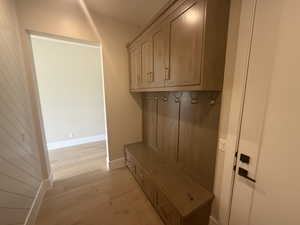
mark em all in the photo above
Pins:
pixel 135 12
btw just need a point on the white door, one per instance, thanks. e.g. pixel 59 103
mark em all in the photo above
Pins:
pixel 271 118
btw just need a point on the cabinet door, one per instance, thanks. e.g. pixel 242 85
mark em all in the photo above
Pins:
pixel 167 125
pixel 161 56
pixel 135 67
pixel 147 64
pixel 186 44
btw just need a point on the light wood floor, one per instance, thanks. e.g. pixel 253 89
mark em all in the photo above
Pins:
pixel 76 160
pixel 98 197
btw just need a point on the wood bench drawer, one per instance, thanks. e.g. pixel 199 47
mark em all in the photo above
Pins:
pixel 166 210
pixel 131 164
pixel 145 182
pixel 177 197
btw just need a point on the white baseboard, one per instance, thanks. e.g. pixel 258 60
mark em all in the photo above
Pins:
pixel 213 221
pixel 116 164
pixel 37 202
pixel 73 142
pixel 49 181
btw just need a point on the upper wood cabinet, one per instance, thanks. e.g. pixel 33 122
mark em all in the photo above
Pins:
pixel 186 43
pixel 155 58
pixel 183 48
pixel 135 67
pixel 147 63
pixel 161 48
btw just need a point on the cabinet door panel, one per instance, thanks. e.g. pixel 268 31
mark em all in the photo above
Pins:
pixel 161 56
pixel 135 67
pixel 186 43
pixel 167 125
pixel 147 64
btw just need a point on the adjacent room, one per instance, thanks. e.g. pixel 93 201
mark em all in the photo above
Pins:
pixel 71 90
pixel 149 112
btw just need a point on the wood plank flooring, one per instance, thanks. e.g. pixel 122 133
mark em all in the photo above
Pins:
pixel 76 160
pixel 98 197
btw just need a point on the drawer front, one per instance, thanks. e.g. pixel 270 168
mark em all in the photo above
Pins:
pixel 130 164
pixel 140 176
pixel 167 212
pixel 145 182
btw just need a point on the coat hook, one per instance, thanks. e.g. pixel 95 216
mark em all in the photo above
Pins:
pixel 212 101
pixel 213 98
pixel 194 98
pixel 194 101
pixel 164 98
pixel 177 96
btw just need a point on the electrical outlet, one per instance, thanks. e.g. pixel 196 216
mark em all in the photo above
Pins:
pixel 222 144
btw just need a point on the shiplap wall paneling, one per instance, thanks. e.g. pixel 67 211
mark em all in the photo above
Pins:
pixel 20 171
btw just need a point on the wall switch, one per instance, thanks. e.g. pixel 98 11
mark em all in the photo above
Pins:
pixel 222 144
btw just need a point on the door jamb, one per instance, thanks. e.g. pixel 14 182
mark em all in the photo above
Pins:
pixel 237 105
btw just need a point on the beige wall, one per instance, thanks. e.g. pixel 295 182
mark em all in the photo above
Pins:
pixel 124 113
pixel 67 18
pixel 70 86
pixel 20 167
pixel 58 17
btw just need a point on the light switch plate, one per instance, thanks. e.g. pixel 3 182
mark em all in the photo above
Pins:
pixel 222 144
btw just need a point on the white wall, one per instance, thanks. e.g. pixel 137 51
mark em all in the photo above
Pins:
pixel 70 86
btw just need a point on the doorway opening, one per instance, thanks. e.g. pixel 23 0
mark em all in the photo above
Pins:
pixel 70 85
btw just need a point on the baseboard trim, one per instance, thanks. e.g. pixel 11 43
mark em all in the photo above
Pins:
pixel 213 221
pixel 116 164
pixel 77 141
pixel 49 181
pixel 37 202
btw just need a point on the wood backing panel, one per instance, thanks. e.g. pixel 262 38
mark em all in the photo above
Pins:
pixel 198 134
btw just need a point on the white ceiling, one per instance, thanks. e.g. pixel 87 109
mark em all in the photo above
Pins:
pixel 135 12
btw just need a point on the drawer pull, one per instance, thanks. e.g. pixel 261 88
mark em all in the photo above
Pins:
pixel 191 198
